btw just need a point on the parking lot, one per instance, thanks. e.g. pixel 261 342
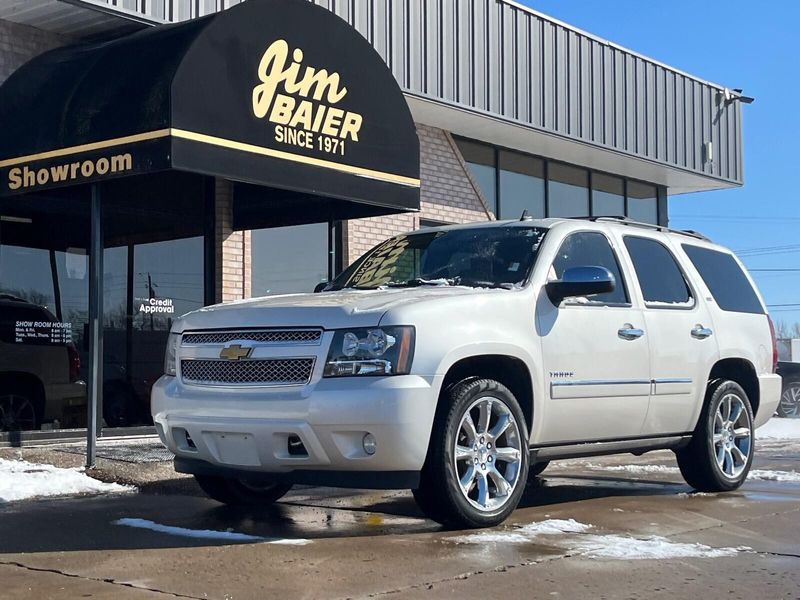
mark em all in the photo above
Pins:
pixel 601 527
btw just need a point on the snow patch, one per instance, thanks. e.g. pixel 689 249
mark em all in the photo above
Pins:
pixel 572 536
pixel 779 429
pixel 634 468
pixel 21 480
pixel 623 547
pixel 205 534
pixel 767 475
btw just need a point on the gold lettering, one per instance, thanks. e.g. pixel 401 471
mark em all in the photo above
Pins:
pixel 60 173
pixel 87 168
pixel 14 179
pixel 29 177
pixel 42 176
pixel 102 166
pixel 74 170
pixel 318 119
pixel 351 126
pixel 302 116
pixel 333 120
pixel 121 162
pixel 282 110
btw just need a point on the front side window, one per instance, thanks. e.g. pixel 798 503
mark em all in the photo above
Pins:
pixel 725 280
pixel 591 249
pixel 479 257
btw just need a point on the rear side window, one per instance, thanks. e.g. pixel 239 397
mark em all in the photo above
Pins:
pixel 660 277
pixel 726 280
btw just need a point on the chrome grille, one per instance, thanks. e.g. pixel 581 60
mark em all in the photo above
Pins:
pixel 265 336
pixel 270 371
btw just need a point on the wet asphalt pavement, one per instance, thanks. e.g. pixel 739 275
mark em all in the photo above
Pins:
pixel 376 544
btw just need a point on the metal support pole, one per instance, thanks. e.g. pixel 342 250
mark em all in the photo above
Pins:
pixel 95 327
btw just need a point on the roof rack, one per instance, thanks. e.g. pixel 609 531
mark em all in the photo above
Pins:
pixel 631 223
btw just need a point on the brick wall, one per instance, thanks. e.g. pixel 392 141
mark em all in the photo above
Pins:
pixel 233 259
pixel 448 194
pixel 20 43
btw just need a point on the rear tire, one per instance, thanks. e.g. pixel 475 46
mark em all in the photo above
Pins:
pixel 18 413
pixel 719 456
pixel 477 464
pixel 238 492
pixel 789 406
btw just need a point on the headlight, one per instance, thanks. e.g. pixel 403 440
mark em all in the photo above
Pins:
pixel 371 351
pixel 169 355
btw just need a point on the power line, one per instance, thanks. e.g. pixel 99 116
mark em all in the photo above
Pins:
pixel 774 270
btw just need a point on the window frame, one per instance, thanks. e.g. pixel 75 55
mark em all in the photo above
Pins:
pixel 596 303
pixel 649 305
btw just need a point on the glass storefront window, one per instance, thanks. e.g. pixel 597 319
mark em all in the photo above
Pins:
pixel 44 296
pixel 568 191
pixel 608 195
pixel 521 185
pixel 642 202
pixel 289 259
pixel 481 163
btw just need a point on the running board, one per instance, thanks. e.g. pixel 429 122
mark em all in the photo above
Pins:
pixel 632 446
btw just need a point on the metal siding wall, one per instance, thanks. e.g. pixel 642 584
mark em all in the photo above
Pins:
pixel 496 57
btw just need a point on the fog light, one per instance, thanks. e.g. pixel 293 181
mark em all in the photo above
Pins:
pixel 369 443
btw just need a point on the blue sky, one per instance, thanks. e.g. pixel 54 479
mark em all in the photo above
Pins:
pixel 736 44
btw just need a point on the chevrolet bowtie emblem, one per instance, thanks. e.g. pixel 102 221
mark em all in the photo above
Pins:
pixel 235 352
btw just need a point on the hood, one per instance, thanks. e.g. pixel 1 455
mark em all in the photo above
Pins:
pixel 329 310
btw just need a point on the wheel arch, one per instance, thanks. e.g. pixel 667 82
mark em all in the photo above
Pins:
pixel 743 372
pixel 512 371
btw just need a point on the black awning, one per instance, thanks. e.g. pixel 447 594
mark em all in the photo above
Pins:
pixel 278 93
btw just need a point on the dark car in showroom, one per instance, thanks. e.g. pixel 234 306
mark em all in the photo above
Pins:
pixel 789 406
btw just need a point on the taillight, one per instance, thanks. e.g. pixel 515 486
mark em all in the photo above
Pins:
pixel 74 363
pixel 774 345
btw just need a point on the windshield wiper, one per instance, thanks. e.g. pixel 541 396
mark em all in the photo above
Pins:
pixel 419 281
pixel 489 284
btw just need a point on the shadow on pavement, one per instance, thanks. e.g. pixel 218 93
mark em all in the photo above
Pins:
pixel 76 524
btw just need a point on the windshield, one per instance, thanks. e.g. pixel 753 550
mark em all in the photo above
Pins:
pixel 481 257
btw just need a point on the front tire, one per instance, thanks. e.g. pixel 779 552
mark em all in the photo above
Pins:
pixel 478 458
pixel 719 456
pixel 240 492
pixel 789 406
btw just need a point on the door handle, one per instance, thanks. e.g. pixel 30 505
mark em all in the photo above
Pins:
pixel 699 332
pixel 629 332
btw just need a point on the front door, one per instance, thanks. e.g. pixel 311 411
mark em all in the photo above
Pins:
pixel 596 354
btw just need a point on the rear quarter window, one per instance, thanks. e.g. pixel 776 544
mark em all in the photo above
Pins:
pixel 725 279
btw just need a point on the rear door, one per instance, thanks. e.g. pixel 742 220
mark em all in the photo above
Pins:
pixel 680 334
pixel 595 352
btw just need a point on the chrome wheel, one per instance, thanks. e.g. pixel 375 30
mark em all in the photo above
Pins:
pixel 790 401
pixel 17 413
pixel 488 454
pixel 732 436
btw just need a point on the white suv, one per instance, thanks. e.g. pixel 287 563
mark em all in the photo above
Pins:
pixel 455 361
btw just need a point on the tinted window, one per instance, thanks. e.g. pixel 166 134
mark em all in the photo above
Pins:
pixel 589 249
pixel 481 163
pixel 521 185
pixel 724 277
pixel 659 275
pixel 568 191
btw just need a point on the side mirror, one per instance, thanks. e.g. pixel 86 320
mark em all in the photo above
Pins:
pixel 580 281
pixel 320 286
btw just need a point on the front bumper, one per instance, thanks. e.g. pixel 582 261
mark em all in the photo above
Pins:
pixel 219 429
pixel 769 395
